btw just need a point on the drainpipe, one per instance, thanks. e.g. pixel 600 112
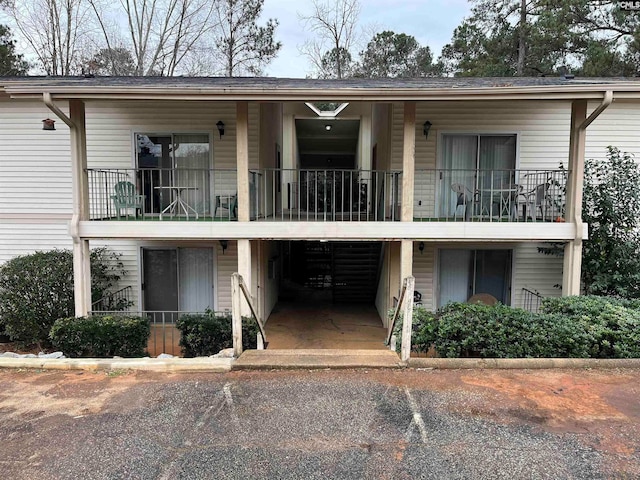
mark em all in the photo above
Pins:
pixel 606 101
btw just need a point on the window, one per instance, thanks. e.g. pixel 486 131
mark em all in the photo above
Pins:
pixel 463 273
pixel 474 166
pixel 168 161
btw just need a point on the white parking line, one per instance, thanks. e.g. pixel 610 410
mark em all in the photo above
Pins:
pixel 417 418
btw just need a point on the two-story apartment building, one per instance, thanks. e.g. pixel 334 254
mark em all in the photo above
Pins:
pixel 335 190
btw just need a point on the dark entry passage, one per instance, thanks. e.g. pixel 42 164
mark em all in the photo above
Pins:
pixel 346 272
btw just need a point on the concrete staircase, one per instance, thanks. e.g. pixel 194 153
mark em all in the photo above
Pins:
pixel 355 271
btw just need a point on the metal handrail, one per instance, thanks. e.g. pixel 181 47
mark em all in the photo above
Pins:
pixel 124 294
pixel 531 300
pixel 248 298
pixel 396 312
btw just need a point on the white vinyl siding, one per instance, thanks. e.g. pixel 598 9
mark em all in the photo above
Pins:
pixel 423 271
pixel 18 238
pixel 227 265
pixel 35 165
pixel 542 130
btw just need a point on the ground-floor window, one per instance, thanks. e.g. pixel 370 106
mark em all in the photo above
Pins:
pixel 178 279
pixel 464 273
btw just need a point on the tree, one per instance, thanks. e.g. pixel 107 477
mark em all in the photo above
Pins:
pixel 533 37
pixel 160 34
pixel 111 61
pixel 335 26
pixel 390 54
pixel 11 63
pixel 54 31
pixel 611 256
pixel 245 46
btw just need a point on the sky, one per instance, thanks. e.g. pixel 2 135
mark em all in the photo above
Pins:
pixel 431 21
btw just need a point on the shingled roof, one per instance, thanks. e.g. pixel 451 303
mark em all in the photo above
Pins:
pixel 281 88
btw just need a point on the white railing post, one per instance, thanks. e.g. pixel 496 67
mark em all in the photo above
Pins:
pixel 407 320
pixel 236 315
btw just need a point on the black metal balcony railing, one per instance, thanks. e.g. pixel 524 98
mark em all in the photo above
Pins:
pixel 472 195
pixel 477 195
pixel 162 194
pixel 325 195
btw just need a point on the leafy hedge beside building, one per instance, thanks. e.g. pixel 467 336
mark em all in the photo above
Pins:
pixel 206 334
pixel 581 327
pixel 101 336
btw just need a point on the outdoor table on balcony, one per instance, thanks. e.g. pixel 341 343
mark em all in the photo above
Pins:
pixel 505 198
pixel 178 202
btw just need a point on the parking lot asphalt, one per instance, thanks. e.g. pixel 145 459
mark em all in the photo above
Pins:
pixel 346 424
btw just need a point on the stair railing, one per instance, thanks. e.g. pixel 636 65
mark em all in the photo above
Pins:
pixel 239 290
pixel 405 305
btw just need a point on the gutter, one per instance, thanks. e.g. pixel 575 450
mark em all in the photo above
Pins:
pixel 607 100
pixel 74 224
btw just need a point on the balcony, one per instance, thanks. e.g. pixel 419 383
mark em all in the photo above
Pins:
pixel 475 195
pixel 325 195
pixel 156 194
pixel 295 195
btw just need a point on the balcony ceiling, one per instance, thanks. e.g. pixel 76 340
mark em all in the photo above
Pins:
pixel 313 137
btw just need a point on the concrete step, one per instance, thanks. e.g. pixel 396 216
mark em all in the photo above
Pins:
pixel 316 358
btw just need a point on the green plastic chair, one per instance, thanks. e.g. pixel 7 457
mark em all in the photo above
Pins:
pixel 126 197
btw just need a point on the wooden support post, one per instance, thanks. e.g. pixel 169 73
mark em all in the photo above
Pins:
pixel 236 314
pixel 573 250
pixel 242 152
pixel 407 320
pixel 408 161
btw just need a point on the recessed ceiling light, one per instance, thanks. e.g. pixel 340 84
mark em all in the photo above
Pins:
pixel 327 127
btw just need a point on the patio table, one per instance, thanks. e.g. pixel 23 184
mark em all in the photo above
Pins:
pixel 178 202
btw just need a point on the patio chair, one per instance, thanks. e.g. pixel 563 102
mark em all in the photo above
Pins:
pixel 230 202
pixel 465 198
pixel 537 199
pixel 126 197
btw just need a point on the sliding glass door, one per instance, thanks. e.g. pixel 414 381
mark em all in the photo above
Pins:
pixel 464 273
pixel 174 164
pixel 178 279
pixel 473 166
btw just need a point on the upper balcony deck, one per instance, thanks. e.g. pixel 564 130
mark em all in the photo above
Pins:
pixel 304 195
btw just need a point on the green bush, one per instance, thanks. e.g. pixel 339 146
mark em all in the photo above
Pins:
pixel 463 330
pixel 101 336
pixel 206 334
pixel 37 289
pixel 613 324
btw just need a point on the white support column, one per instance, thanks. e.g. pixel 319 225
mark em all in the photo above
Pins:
pixel 242 153
pixel 408 161
pixel 573 250
pixel 80 188
pixel 408 169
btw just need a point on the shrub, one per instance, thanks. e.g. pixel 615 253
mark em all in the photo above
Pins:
pixel 37 289
pixel 101 336
pixel 206 334
pixel 498 331
pixel 613 324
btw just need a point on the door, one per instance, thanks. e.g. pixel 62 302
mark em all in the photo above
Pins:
pixel 456 174
pixel 160 282
pixel 178 280
pixel 463 273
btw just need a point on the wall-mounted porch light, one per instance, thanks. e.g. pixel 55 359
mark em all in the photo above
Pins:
pixel 48 124
pixel 421 247
pixel 224 244
pixel 220 126
pixel 426 126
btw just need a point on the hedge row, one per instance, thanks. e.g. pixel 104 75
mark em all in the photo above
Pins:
pixel 206 334
pixel 101 336
pixel 583 327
